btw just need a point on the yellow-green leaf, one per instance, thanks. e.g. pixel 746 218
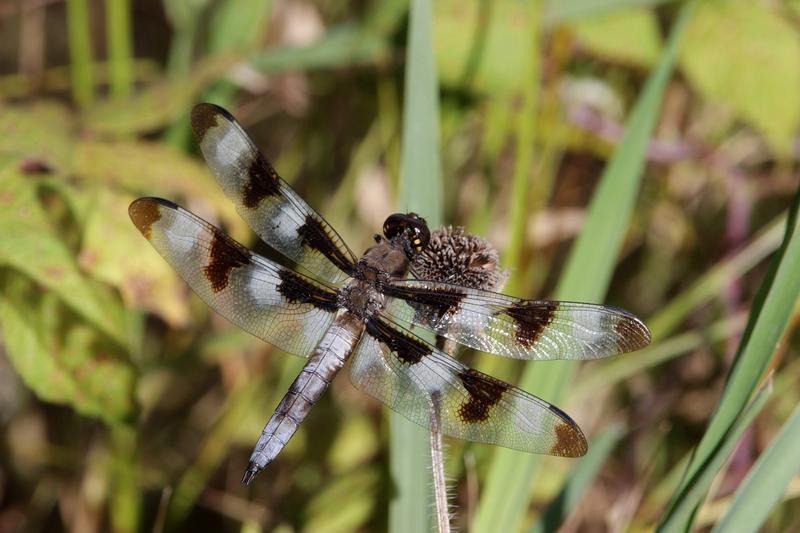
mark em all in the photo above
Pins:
pixel 156 106
pixel 152 169
pixel 625 35
pixel 147 111
pixel 746 57
pixel 60 357
pixel 29 243
pixel 115 252
pixel 485 46
pixel 40 132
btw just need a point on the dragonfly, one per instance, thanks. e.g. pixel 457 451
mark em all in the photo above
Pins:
pixel 332 307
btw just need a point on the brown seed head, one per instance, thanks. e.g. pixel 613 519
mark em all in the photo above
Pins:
pixel 454 256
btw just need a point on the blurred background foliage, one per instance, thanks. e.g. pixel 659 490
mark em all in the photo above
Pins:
pixel 126 404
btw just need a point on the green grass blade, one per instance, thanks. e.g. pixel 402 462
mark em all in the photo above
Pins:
pixel 80 51
pixel 120 44
pixel 766 482
pixel 421 192
pixel 236 27
pixel 512 473
pixel 520 192
pixel 683 511
pixel 580 479
pixel 769 318
pixel 184 17
pixel 420 168
pixel 126 497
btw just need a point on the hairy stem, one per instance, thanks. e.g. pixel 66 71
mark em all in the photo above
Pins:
pixel 437 466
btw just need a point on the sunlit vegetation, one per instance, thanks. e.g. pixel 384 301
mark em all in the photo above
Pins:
pixel 640 153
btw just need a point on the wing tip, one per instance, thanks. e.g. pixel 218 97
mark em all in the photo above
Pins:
pixel 144 212
pixel 570 441
pixel 204 117
pixel 633 333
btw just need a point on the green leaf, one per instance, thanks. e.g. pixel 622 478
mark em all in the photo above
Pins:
pixel 745 56
pixel 156 170
pixel 147 111
pixel 421 192
pixel 566 10
pixel 485 46
pixel 61 358
pixel 160 103
pixel 766 482
pixel 30 244
pixel 157 105
pixel 143 278
pixel 680 515
pixel 39 132
pixel 508 485
pixel 627 36
pixel 769 318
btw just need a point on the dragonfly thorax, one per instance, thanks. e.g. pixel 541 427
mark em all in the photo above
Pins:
pixel 362 299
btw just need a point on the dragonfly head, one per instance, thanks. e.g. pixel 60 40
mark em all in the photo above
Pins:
pixel 408 230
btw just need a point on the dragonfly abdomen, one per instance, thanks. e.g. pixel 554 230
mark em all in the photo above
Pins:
pixel 328 358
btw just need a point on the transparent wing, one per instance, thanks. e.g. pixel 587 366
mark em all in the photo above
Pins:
pixel 273 303
pixel 514 327
pixel 411 376
pixel 275 212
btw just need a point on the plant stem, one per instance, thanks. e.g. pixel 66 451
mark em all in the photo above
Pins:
pixel 437 466
pixel 118 27
pixel 80 51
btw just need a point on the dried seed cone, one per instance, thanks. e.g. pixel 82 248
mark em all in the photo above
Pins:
pixel 455 256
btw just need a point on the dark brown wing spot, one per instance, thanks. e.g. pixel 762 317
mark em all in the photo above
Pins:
pixel 407 349
pixel 204 117
pixel 570 441
pixel 430 305
pixel 314 235
pixel 262 179
pixel 531 319
pixel 484 393
pixel 632 334
pixel 262 182
pixel 297 289
pixel 225 255
pixel 144 212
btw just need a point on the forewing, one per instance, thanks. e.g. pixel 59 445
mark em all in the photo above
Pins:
pixel 411 376
pixel 513 327
pixel 273 303
pixel 275 212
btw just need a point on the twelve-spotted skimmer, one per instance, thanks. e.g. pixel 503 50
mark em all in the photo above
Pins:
pixel 334 306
